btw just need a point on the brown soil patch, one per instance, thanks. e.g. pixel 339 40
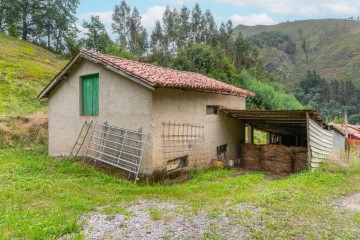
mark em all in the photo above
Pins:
pixel 350 202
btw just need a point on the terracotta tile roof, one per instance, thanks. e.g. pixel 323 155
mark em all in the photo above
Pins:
pixel 353 130
pixel 149 75
pixel 160 77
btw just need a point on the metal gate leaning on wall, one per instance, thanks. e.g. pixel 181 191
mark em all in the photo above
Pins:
pixel 119 147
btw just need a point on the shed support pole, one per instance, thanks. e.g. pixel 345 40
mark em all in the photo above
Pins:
pixel 308 138
pixel 268 137
pixel 242 133
pixel 250 134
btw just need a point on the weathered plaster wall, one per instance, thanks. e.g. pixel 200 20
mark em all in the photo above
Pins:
pixel 171 105
pixel 122 103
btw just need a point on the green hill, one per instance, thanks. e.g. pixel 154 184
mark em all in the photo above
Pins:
pixel 333 47
pixel 24 70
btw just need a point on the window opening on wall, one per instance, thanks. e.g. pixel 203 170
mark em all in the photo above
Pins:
pixel 212 110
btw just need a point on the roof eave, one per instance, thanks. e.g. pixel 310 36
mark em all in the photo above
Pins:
pixel 83 55
pixel 45 92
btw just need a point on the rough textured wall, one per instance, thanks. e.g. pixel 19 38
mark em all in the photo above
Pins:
pixel 189 107
pixel 122 103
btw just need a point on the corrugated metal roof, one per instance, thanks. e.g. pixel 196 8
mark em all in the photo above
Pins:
pixel 282 122
pixel 149 75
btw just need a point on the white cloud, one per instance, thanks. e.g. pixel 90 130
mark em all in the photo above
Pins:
pixel 252 19
pixel 149 18
pixel 340 8
pixel 105 17
pixel 308 8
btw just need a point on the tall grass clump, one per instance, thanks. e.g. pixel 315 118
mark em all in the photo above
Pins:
pixel 348 163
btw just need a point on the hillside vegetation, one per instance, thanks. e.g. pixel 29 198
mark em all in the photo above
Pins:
pixel 332 46
pixel 25 69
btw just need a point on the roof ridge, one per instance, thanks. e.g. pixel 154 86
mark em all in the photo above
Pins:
pixel 145 63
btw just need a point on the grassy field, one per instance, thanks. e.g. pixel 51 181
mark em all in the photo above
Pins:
pixel 25 69
pixel 42 197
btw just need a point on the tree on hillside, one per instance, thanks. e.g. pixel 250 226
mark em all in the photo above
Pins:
pixel 5 16
pixel 196 24
pixel 48 23
pixel 242 56
pixel 184 27
pixel 56 24
pixel 130 33
pixel 97 38
pixel 304 47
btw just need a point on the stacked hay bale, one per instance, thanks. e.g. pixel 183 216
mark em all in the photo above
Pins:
pixel 250 156
pixel 277 159
pixel 300 158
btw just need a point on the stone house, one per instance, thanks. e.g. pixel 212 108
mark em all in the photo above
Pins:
pixel 131 94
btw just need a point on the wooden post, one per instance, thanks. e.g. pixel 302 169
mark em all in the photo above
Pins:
pixel 242 133
pixel 308 138
pixel 268 137
pixel 250 134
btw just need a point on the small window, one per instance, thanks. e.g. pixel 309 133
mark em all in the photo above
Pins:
pixel 212 110
pixel 90 95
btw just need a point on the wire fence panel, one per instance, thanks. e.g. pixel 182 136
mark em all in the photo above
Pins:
pixel 122 148
pixel 183 139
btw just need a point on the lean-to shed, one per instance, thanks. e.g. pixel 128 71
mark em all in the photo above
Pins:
pixel 301 128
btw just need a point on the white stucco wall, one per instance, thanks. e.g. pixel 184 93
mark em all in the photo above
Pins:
pixel 121 103
pixel 178 106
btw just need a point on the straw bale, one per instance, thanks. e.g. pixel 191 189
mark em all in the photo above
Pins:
pixel 250 156
pixel 300 158
pixel 276 159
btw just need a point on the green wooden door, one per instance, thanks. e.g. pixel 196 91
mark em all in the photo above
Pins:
pixel 90 95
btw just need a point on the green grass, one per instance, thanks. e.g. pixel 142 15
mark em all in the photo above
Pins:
pixel 28 69
pixel 42 197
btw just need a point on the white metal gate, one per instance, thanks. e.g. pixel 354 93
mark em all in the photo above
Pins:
pixel 119 147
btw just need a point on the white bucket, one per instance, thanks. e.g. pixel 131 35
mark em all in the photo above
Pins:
pixel 231 163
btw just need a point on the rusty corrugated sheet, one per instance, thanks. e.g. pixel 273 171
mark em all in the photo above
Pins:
pixel 321 143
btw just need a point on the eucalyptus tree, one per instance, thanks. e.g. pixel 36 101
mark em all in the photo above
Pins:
pixel 130 33
pixel 97 38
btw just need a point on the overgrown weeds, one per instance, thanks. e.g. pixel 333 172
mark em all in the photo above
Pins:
pixel 348 164
pixel 24 132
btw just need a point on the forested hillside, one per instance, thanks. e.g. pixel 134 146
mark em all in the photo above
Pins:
pixel 317 60
pixel 331 47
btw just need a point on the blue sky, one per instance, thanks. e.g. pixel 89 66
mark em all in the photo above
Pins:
pixel 247 12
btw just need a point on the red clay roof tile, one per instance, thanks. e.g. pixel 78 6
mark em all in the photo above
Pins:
pixel 160 77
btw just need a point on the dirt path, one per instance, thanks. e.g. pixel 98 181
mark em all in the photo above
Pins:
pixel 351 202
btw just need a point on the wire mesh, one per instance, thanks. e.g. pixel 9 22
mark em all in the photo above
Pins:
pixel 184 139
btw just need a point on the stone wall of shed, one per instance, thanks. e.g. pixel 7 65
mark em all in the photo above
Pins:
pixel 122 103
pixel 189 107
